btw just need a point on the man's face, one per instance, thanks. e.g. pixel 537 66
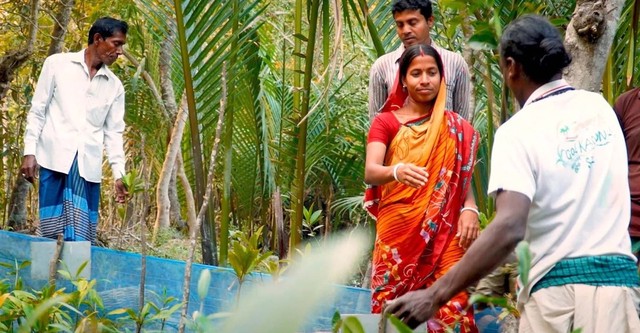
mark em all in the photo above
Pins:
pixel 412 27
pixel 110 48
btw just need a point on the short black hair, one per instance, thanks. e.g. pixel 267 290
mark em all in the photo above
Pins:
pixel 423 5
pixel 536 44
pixel 107 27
pixel 412 52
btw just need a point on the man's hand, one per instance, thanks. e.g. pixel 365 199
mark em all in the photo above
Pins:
pixel 29 168
pixel 468 228
pixel 413 308
pixel 121 191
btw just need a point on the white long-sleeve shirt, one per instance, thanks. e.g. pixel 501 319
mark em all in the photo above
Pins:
pixel 72 113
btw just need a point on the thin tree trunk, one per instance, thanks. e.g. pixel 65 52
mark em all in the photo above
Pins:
pixel 189 198
pixel 169 100
pixel 143 231
pixel 205 203
pixel 301 105
pixel 327 218
pixel 53 264
pixel 162 192
pixel 175 216
pixel 60 28
pixel 589 38
pixel 279 234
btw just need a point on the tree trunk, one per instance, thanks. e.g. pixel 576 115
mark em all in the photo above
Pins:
pixel 18 205
pixel 189 198
pixel 9 65
pixel 163 200
pixel 588 39
pixel 205 203
pixel 60 28
pixel 162 192
pixel 174 202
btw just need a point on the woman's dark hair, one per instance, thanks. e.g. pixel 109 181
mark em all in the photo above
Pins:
pixel 418 50
pixel 537 45
pixel 423 5
pixel 107 27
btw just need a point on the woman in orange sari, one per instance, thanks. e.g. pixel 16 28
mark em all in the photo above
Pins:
pixel 419 162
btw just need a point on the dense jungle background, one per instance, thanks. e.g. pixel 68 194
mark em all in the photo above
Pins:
pixel 264 103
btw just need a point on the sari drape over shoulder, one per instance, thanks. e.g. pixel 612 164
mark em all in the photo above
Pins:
pixel 416 227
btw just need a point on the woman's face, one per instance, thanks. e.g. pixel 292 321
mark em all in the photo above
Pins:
pixel 423 79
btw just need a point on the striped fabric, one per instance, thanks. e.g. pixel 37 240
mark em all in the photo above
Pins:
pixel 383 74
pixel 618 271
pixel 68 205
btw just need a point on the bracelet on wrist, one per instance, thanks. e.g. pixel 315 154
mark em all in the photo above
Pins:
pixel 472 209
pixel 395 171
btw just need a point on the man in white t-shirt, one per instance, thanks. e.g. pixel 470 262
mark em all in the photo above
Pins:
pixel 559 175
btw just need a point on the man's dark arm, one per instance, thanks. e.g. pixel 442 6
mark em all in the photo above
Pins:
pixel 488 251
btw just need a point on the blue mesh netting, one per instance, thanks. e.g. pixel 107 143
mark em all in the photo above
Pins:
pixel 118 276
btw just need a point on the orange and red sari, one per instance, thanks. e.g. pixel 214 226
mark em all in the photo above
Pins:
pixel 415 228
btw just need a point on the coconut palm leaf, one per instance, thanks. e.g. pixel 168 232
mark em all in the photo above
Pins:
pixel 624 59
pixel 205 32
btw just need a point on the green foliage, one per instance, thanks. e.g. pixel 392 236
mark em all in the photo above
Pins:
pixel 153 311
pixel 503 302
pixel 351 325
pixel 524 261
pixel 133 182
pixel 399 325
pixel 310 221
pixel 53 310
pixel 245 256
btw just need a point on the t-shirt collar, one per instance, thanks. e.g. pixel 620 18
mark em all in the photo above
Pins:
pixel 547 88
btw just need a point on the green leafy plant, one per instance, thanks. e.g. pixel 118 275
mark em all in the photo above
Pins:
pixel 14 271
pixel 245 256
pixel 311 221
pixel 133 182
pixel 524 261
pixel 150 312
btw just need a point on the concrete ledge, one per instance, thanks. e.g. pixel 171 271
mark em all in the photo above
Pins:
pixel 73 255
pixel 370 323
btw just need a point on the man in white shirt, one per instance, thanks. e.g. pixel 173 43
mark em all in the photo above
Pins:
pixel 77 111
pixel 414 20
pixel 559 175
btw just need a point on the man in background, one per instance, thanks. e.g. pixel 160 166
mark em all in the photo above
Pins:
pixel 414 20
pixel 77 111
pixel 627 108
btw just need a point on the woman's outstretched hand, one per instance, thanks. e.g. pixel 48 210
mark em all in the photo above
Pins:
pixel 412 175
pixel 468 228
